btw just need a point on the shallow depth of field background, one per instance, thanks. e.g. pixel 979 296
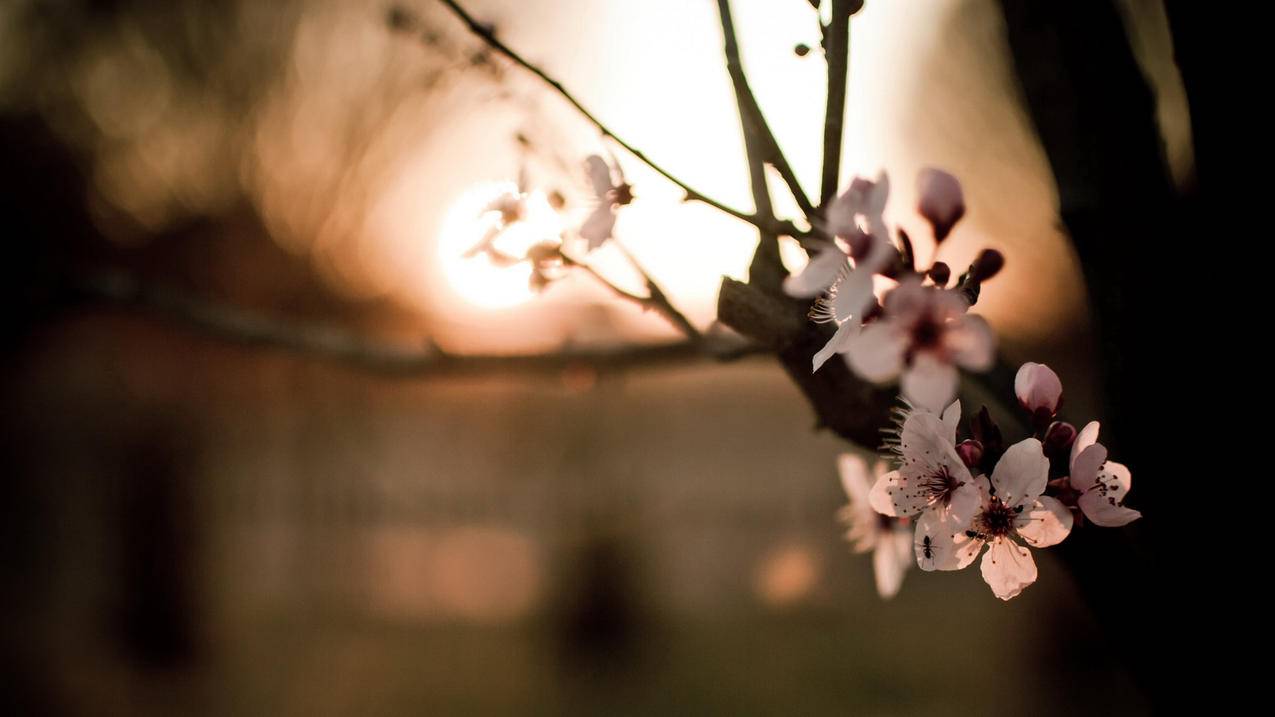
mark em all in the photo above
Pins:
pixel 202 526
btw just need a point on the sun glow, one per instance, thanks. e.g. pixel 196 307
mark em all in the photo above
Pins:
pixel 476 277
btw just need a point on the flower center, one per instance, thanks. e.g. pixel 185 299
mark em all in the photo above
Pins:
pixel 939 485
pixel 997 519
pixel 926 333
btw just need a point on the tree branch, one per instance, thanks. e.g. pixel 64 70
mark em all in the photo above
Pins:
pixel 329 343
pixel 766 269
pixel 655 299
pixel 836 47
pixel 767 147
pixel 484 32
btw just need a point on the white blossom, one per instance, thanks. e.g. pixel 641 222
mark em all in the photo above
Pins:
pixel 889 539
pixel 931 479
pixel 1011 507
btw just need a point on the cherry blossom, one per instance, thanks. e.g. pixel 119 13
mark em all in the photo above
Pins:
pixel 611 192
pixel 846 294
pixel 931 480
pixel 1012 506
pixel 889 539
pixel 1101 484
pixel 925 334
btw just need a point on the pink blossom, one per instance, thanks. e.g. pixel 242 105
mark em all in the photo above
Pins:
pixel 889 539
pixel 1102 484
pixel 925 334
pixel 1011 507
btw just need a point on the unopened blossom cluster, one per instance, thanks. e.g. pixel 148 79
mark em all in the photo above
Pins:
pixel 921 332
pixel 954 494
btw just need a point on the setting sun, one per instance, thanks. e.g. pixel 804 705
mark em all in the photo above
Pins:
pixel 478 278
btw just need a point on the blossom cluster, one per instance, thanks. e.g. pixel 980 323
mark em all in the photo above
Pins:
pixel 609 191
pixel 951 497
pixel 921 332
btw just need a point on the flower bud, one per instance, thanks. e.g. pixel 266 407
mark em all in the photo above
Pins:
pixel 940 273
pixel 988 264
pixel 971 453
pixel 941 200
pixel 1038 388
pixel 1058 439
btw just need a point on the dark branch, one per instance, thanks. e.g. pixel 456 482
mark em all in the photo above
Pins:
pixel 836 47
pixel 766 269
pixel 655 298
pixel 755 125
pixel 330 343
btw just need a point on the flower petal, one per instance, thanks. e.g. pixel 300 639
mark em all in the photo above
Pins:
pixel 1044 523
pixel 597 227
pixel 817 275
pixel 855 478
pixel 952 420
pixel 930 382
pixel 1038 387
pixel 965 503
pixel 839 343
pixel 853 295
pixel 1008 568
pixel 1020 475
pixel 1102 503
pixel 1087 437
pixel 890 560
pixel 1084 467
pixel 926 448
pixel 941 544
pixel 599 175
pixel 971 342
pixel 876 353
pixel 895 495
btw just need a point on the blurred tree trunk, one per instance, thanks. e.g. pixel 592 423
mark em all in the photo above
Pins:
pixel 1095 115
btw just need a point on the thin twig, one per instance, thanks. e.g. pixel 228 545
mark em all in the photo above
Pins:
pixel 767 147
pixel 766 268
pixel 485 33
pixel 836 47
pixel 655 299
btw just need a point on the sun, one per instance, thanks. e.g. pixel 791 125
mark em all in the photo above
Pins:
pixel 477 279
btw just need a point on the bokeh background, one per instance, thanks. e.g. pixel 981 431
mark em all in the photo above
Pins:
pixel 272 445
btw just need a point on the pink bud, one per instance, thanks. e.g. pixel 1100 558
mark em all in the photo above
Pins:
pixel 971 453
pixel 1038 388
pixel 941 200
